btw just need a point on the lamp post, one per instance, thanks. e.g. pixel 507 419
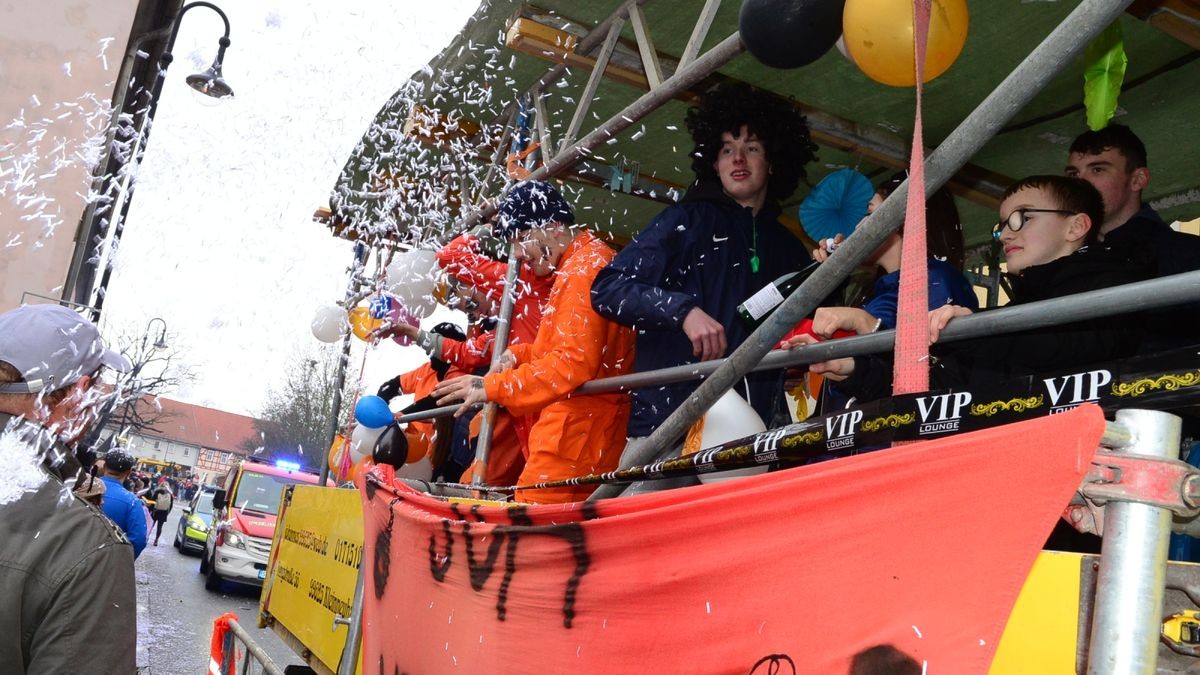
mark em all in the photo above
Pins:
pixel 161 342
pixel 112 180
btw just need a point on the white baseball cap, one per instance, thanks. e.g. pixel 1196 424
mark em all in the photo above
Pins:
pixel 52 347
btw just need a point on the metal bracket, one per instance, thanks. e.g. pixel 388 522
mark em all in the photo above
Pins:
pixel 1165 483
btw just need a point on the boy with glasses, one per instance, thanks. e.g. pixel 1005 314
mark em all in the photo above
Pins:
pixel 1046 226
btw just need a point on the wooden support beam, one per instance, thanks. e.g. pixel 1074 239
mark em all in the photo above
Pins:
pixel 1178 18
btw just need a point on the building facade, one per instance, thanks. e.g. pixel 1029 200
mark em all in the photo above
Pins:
pixel 189 440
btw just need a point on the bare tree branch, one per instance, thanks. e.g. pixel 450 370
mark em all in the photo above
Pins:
pixel 292 423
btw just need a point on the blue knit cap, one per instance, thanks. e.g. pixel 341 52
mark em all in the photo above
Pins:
pixel 531 204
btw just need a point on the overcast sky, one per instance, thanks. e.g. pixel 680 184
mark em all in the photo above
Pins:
pixel 220 241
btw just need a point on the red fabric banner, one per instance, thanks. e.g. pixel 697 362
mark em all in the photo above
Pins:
pixel 923 547
pixel 911 373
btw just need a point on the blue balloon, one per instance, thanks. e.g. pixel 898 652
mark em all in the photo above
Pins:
pixel 373 412
pixel 836 204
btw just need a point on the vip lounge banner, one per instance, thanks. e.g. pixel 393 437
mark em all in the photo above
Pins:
pixel 791 571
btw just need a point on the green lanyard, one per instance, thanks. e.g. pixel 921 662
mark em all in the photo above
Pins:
pixel 754 261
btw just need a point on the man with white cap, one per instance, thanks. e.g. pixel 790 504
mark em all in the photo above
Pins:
pixel 66 574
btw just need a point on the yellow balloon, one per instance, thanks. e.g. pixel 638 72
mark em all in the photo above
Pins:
pixel 361 323
pixel 879 36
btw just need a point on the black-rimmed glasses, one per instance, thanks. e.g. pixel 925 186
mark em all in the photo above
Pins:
pixel 1017 219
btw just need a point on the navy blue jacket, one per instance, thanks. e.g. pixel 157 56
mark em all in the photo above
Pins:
pixel 694 254
pixel 1146 239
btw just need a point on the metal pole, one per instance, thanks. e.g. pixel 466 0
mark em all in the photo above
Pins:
pixel 349 661
pixel 484 445
pixel 1133 562
pixel 268 664
pixel 647 103
pixel 83 234
pixel 1030 77
pixel 339 381
pixel 1144 295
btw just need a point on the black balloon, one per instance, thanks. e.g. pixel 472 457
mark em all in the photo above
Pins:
pixel 790 33
pixel 392 447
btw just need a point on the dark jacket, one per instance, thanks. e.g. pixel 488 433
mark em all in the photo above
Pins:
pixel 694 254
pixel 1147 239
pixel 982 361
pixel 947 286
pixel 66 574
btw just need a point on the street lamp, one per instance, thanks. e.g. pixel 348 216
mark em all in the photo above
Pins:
pixel 210 82
pixel 112 187
pixel 161 342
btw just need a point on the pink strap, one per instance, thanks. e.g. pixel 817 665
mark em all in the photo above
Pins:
pixel 912 313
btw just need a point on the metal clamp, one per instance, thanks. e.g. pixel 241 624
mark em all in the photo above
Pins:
pixel 1165 483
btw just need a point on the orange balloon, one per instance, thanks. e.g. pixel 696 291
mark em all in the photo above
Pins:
pixel 362 323
pixel 364 465
pixel 418 445
pixel 339 456
pixel 879 37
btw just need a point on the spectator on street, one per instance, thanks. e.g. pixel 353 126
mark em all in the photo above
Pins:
pixel 120 505
pixel 164 500
pixel 66 574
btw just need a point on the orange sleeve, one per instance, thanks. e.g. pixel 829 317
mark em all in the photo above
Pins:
pixel 410 381
pixel 419 381
pixel 468 355
pixel 462 259
pixel 522 351
pixel 567 351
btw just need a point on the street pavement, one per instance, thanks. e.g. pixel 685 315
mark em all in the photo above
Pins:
pixel 175 612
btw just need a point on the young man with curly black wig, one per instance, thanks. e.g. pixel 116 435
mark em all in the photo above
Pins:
pixel 680 280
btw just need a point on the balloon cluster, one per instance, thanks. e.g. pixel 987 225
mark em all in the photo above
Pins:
pixel 875 35
pixel 374 417
pixel 379 437
pixel 412 280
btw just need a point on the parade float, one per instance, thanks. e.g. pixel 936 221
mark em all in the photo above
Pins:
pixel 928 550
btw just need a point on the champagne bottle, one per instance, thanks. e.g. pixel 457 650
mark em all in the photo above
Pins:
pixel 759 306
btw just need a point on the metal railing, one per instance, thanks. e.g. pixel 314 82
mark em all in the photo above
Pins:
pixel 251 653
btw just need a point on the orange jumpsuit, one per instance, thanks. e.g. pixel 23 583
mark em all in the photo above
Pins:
pixel 574 344
pixel 462 259
pixel 420 382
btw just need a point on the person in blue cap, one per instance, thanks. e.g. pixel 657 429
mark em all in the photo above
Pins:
pixel 572 436
pixel 680 280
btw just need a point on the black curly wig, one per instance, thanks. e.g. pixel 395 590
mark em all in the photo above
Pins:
pixel 775 120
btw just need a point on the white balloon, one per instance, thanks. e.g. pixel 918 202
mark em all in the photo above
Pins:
pixel 423 306
pixel 841 46
pixel 730 418
pixel 362 442
pixel 421 469
pixel 330 323
pixel 412 276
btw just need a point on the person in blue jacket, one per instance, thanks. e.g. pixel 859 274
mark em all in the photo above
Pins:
pixel 944 247
pixel 120 505
pixel 680 280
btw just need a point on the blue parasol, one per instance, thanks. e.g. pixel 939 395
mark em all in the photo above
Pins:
pixel 836 204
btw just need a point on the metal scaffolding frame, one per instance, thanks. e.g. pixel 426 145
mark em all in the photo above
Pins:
pixel 1130 588
pixel 1083 24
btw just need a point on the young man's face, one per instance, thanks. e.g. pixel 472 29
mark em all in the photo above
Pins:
pixel 1120 186
pixel 538 249
pixel 1043 236
pixel 743 168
